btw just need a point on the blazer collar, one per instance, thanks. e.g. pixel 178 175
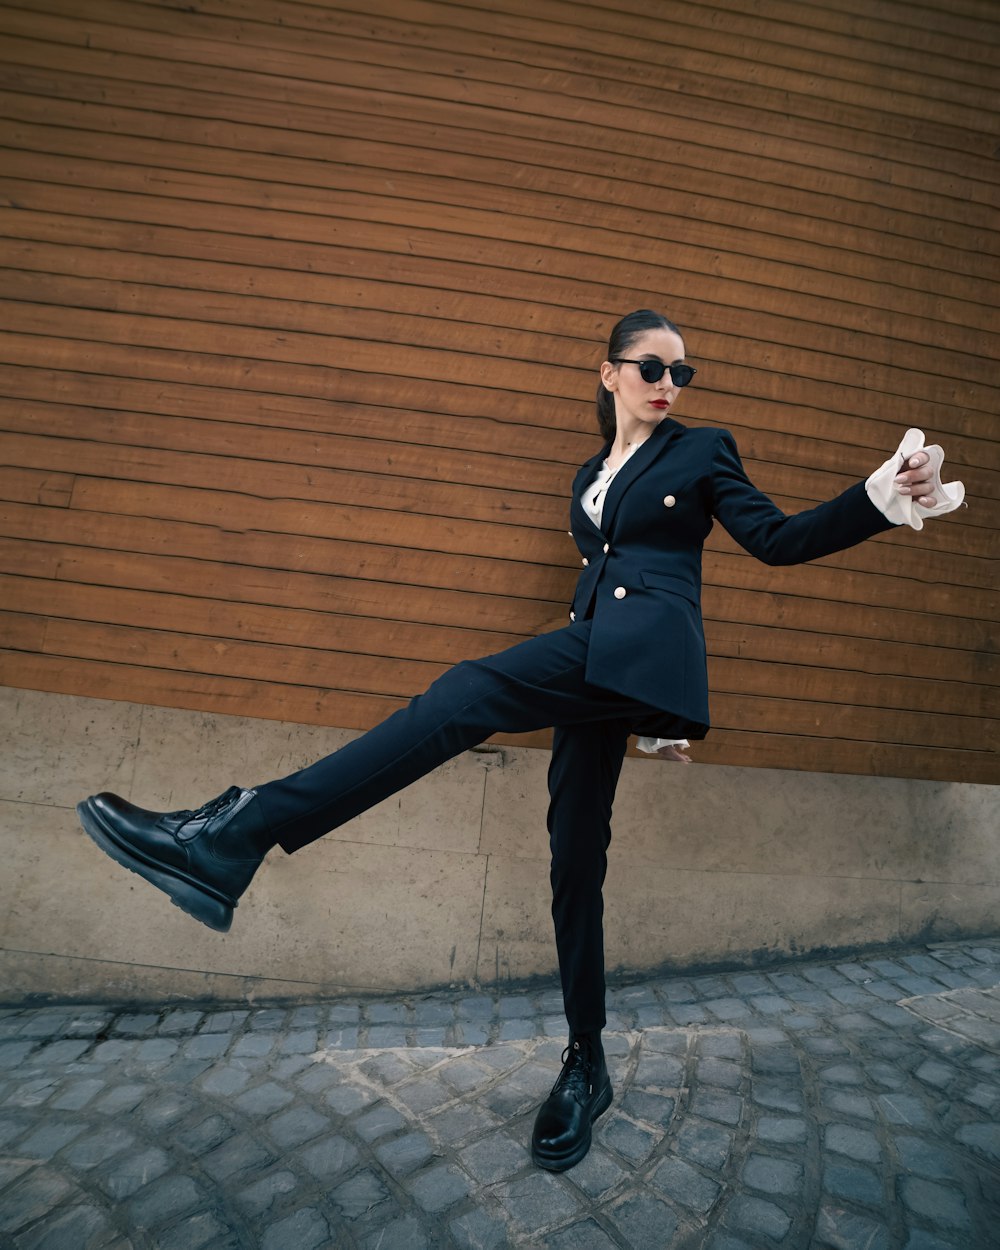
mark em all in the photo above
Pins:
pixel 640 460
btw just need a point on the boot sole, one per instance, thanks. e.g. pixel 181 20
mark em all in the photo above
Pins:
pixel 183 892
pixel 562 1163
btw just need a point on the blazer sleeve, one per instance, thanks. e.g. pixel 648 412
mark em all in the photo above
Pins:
pixel 762 529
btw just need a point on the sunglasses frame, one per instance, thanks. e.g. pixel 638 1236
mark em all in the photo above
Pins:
pixel 659 365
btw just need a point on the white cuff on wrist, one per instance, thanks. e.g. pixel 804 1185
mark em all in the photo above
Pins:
pixel 904 509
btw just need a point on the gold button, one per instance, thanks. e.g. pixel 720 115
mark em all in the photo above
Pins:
pixel 620 592
pixel 607 548
pixel 572 616
pixel 669 501
pixel 585 560
pixel 570 533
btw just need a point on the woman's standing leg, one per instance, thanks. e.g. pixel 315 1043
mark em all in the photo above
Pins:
pixel 583 775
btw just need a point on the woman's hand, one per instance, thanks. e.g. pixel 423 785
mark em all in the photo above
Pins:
pixel 917 479
pixel 672 753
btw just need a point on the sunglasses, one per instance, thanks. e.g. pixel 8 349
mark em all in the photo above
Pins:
pixel 653 370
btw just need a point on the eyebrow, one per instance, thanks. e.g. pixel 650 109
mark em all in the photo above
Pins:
pixel 653 356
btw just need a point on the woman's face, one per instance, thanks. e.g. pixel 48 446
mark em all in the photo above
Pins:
pixel 635 400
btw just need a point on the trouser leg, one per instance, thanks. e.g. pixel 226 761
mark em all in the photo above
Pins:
pixel 583 774
pixel 531 686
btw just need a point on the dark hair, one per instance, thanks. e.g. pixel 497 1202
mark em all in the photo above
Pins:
pixel 620 344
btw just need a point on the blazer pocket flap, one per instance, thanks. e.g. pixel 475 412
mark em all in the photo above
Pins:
pixel 676 585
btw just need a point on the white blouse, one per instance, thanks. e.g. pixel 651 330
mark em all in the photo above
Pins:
pixel 881 489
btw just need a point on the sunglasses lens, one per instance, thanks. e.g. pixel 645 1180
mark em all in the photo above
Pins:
pixel 681 374
pixel 652 370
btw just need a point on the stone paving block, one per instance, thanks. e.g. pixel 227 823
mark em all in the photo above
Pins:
pixel 438 1188
pixel 179 1021
pixel 139 1025
pixel 261 1196
pixel 494 1158
pixel 653 1109
pixel 318 1077
pixel 345 1099
pixel 405 1154
pixel 704 1143
pixel 685 1185
pixel 825 1047
pixel 329 1157
pixel 377 1122
pixel 771 1004
pixel 479 1230
pixel 772 1175
pixel 389 1069
pixel 584 1235
pixel 455 1124
pixel 719 1072
pixel 688 1013
pixel 659 1071
pixel 359 1194
pixel 845 1102
pixel 757 1217
pixel 404 1234
pixel 64 1051
pixel 632 1141
pixel 69 1228
pixel 263 1099
pixel 307 1229
pixel 224 1021
pixel 904 1110
pixel 853 1184
pixel 121 1099
pixel 777 1097
pixel 225 1079
pixel 920 1239
pixel 205 1135
pixel 96 1148
pixel 426 1094
pixel 206 1046
pixel 711 1105
pixel 49 1138
pixel 844 1229
pixel 727 1009
pixel 940 1204
pixel 939 1075
pixel 644 1219
pixel 842 1074
pixel 536 1201
pixel 197 1231
pixel 781 1130
pixel 76 1094
pixel 296 1125
pixel 165 1200
pixel 31 1197
pixel 856 1143
pixel 596 1174
pixel 775 1061
pixel 127 1175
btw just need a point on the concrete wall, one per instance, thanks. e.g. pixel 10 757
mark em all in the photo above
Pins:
pixel 448 882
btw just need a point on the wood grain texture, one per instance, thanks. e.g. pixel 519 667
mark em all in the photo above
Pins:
pixel 301 304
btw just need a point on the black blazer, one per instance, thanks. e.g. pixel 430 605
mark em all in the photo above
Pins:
pixel 641 582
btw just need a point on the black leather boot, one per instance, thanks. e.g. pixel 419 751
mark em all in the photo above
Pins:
pixel 202 859
pixel 583 1092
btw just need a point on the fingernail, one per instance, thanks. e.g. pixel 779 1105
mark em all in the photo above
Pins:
pixel 914 463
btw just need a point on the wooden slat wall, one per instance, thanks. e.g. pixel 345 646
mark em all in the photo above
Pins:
pixel 302 305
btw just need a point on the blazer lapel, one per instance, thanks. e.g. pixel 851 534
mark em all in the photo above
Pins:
pixel 635 466
pixel 579 517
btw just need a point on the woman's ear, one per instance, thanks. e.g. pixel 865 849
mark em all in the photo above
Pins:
pixel 609 375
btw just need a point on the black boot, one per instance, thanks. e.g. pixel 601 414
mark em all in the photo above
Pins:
pixel 203 859
pixel 582 1093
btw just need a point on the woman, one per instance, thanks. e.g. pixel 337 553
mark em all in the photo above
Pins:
pixel 631 660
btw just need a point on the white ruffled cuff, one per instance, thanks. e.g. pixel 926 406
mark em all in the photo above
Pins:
pixel 652 745
pixel 904 509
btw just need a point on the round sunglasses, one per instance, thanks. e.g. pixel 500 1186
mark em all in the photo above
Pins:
pixel 653 370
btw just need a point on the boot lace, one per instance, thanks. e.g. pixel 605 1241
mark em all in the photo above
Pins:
pixel 211 808
pixel 578 1067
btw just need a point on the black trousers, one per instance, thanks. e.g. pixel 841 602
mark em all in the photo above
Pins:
pixel 534 685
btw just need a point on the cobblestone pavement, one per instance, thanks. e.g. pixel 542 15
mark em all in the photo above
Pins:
pixel 815 1104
